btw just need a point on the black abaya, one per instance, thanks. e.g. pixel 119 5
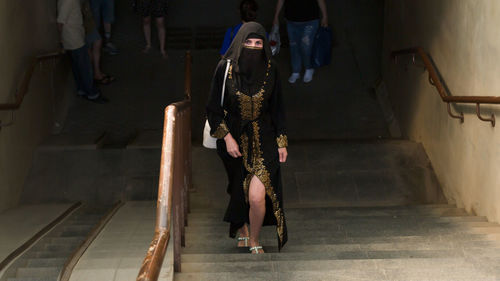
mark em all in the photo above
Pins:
pixel 255 118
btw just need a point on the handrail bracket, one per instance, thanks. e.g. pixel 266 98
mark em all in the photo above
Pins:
pixel 452 115
pixel 478 112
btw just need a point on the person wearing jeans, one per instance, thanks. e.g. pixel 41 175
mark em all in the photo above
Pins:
pixel 82 71
pixel 104 12
pixel 303 19
pixel 72 31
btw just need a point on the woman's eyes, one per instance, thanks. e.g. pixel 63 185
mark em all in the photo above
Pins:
pixel 252 43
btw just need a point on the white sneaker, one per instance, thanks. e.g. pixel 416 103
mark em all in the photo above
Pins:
pixel 308 75
pixel 293 77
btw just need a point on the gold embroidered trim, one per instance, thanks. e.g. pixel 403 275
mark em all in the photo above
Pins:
pixel 258 169
pixel 282 141
pixel 256 164
pixel 230 71
pixel 221 131
pixel 250 105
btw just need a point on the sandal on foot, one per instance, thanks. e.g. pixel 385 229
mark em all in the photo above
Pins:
pixel 105 80
pixel 256 249
pixel 243 239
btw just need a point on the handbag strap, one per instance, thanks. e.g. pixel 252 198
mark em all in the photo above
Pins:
pixel 224 83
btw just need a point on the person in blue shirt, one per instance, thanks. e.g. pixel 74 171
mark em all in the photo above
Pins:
pixel 248 12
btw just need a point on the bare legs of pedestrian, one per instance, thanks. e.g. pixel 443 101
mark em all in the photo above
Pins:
pixel 146 26
pixel 160 26
pixel 95 55
pixel 257 200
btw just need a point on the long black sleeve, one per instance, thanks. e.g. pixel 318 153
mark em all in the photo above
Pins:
pixel 278 113
pixel 215 112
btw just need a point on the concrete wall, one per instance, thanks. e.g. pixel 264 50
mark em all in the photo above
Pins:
pixel 27 28
pixel 463 39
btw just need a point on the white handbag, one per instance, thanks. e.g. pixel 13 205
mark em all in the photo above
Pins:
pixel 208 140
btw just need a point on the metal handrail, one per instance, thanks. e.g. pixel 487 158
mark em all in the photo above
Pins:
pixel 175 181
pixel 23 89
pixel 436 81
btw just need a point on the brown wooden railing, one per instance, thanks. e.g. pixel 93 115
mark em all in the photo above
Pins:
pixel 436 81
pixel 24 86
pixel 175 181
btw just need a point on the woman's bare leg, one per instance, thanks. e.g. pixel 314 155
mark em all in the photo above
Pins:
pixel 160 25
pixel 257 199
pixel 146 26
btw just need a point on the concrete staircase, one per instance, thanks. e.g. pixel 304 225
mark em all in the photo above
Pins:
pixel 45 260
pixel 420 242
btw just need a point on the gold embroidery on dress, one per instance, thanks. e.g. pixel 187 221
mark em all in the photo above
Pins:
pixel 282 141
pixel 259 170
pixel 250 105
pixel 256 166
pixel 221 131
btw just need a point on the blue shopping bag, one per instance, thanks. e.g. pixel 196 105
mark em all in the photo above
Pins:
pixel 322 47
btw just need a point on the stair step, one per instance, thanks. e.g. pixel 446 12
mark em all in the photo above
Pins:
pixel 45 254
pixel 341 251
pixel 325 226
pixel 255 276
pixel 341 237
pixel 38 272
pixel 33 279
pixel 331 238
pixel 49 247
pixel 320 265
pixel 337 275
pixel 349 212
pixel 65 240
pixel 293 219
pixel 47 262
pixel 78 228
pixel 224 245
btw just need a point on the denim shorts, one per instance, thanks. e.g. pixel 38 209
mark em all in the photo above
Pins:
pixel 103 11
pixel 92 37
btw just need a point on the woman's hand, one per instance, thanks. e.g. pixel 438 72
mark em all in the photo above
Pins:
pixel 232 146
pixel 283 154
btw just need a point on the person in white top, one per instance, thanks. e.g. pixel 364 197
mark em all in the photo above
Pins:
pixel 72 31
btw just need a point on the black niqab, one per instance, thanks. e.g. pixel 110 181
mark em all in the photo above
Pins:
pixel 249 63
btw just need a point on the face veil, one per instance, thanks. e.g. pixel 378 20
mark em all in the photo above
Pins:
pixel 247 29
pixel 249 63
pixel 252 66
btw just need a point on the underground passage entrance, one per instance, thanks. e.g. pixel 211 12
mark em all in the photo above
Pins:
pixel 382 180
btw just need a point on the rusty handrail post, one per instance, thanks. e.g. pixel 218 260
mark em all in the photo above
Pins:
pixel 435 81
pixel 175 180
pixel 151 265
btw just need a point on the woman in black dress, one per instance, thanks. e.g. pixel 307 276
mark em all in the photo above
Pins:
pixel 252 140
